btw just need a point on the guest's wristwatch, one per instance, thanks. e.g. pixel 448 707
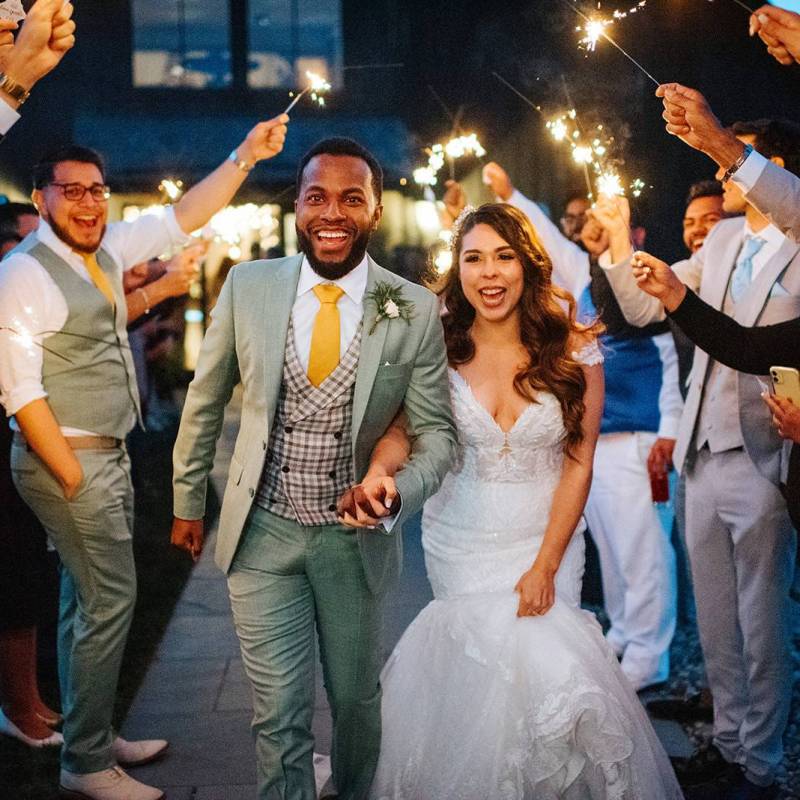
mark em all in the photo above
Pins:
pixel 241 164
pixel 13 89
pixel 733 168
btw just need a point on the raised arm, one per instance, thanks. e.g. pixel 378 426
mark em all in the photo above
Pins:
pixel 536 587
pixel 215 191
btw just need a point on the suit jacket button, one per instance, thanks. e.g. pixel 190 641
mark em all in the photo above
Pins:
pixel 332 473
pixel 337 435
pixel 288 429
pixel 284 469
pixel 252 492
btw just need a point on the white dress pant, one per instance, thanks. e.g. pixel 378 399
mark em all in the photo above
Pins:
pixel 637 560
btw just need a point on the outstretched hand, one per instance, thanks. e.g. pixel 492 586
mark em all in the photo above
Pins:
pixel 265 140
pixel 496 178
pixel 365 504
pixel 780 31
pixel 657 279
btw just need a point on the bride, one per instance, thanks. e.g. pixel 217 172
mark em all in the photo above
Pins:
pixel 503 688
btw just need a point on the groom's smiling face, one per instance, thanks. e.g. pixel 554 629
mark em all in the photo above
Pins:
pixel 336 212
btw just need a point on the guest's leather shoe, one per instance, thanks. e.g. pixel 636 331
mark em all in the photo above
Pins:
pixel 110 784
pixel 705 765
pixel 692 708
pixel 136 754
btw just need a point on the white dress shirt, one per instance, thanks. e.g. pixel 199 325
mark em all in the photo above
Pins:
pixel 306 306
pixel 7 117
pixel 31 303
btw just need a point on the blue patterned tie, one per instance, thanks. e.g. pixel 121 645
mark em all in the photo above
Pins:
pixel 743 274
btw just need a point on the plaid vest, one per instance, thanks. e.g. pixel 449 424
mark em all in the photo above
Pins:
pixel 310 458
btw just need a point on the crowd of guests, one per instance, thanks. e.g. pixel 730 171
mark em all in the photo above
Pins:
pixel 65 476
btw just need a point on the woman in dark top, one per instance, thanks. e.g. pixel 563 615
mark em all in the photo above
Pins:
pixel 752 350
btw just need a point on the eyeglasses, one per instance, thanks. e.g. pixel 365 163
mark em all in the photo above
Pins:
pixel 75 192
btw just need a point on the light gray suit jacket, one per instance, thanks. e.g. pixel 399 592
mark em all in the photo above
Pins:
pixel 776 194
pixel 774 296
pixel 400 365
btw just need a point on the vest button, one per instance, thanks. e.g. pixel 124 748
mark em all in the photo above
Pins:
pixel 332 473
pixel 284 469
pixel 331 507
pixel 288 429
pixel 337 435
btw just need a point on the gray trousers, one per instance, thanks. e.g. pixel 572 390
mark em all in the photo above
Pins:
pixel 742 552
pixel 286 580
pixel 92 534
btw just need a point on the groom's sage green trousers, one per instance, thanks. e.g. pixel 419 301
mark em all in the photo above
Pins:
pixel 285 580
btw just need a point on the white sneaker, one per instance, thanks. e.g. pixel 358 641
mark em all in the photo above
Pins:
pixel 135 754
pixel 110 784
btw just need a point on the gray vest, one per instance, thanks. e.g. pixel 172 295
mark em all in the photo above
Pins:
pixel 309 463
pixel 718 423
pixel 87 369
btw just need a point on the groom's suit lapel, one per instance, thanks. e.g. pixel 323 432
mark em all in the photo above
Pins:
pixel 371 351
pixel 280 291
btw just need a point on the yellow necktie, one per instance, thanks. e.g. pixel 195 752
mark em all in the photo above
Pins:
pixel 99 278
pixel 324 356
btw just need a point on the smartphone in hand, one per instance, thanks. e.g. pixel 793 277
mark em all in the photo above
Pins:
pixel 786 383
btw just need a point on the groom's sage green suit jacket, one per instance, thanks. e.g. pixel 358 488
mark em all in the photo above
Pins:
pixel 400 365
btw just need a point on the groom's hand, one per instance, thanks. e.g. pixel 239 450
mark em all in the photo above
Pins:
pixel 365 504
pixel 187 534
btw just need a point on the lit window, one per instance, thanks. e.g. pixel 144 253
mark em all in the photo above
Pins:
pixel 289 37
pixel 181 43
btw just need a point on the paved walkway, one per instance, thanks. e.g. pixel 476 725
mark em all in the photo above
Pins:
pixel 196 695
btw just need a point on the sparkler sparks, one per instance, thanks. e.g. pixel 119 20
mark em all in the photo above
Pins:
pixel 458 147
pixel 317 87
pixel 610 184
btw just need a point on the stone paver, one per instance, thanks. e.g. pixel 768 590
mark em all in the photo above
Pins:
pixel 196 694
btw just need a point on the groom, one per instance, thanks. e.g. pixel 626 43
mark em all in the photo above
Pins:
pixel 329 347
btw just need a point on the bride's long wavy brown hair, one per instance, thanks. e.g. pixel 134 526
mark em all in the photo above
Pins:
pixel 548 325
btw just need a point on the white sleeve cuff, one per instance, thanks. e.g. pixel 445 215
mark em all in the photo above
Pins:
pixel 7 117
pixel 20 396
pixel 668 427
pixel 748 174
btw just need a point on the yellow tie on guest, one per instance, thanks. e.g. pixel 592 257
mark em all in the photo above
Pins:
pixel 99 278
pixel 324 356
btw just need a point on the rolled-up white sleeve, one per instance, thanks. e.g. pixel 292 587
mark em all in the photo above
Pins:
pixel 8 116
pixel 30 307
pixel 150 236
pixel 670 401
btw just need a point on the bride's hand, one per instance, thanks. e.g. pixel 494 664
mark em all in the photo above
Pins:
pixel 537 591
pixel 363 505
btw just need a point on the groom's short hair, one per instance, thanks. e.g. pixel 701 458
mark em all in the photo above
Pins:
pixel 342 146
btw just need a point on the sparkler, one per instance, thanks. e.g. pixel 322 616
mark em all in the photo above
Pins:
pixel 457 147
pixel 317 86
pixel 595 29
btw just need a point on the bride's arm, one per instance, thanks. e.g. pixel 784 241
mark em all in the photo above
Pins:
pixel 537 586
pixel 377 490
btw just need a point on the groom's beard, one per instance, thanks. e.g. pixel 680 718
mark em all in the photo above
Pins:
pixel 333 270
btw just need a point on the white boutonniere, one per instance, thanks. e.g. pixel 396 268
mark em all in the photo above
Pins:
pixel 390 303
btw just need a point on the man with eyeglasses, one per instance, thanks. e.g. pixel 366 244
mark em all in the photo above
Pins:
pixel 68 379
pixel 574 217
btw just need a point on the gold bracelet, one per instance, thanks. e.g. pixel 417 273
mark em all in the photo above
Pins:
pixel 146 300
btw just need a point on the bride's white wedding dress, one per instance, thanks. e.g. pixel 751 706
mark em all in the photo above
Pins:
pixel 479 704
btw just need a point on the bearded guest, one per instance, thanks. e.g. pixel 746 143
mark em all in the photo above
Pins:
pixel 67 377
